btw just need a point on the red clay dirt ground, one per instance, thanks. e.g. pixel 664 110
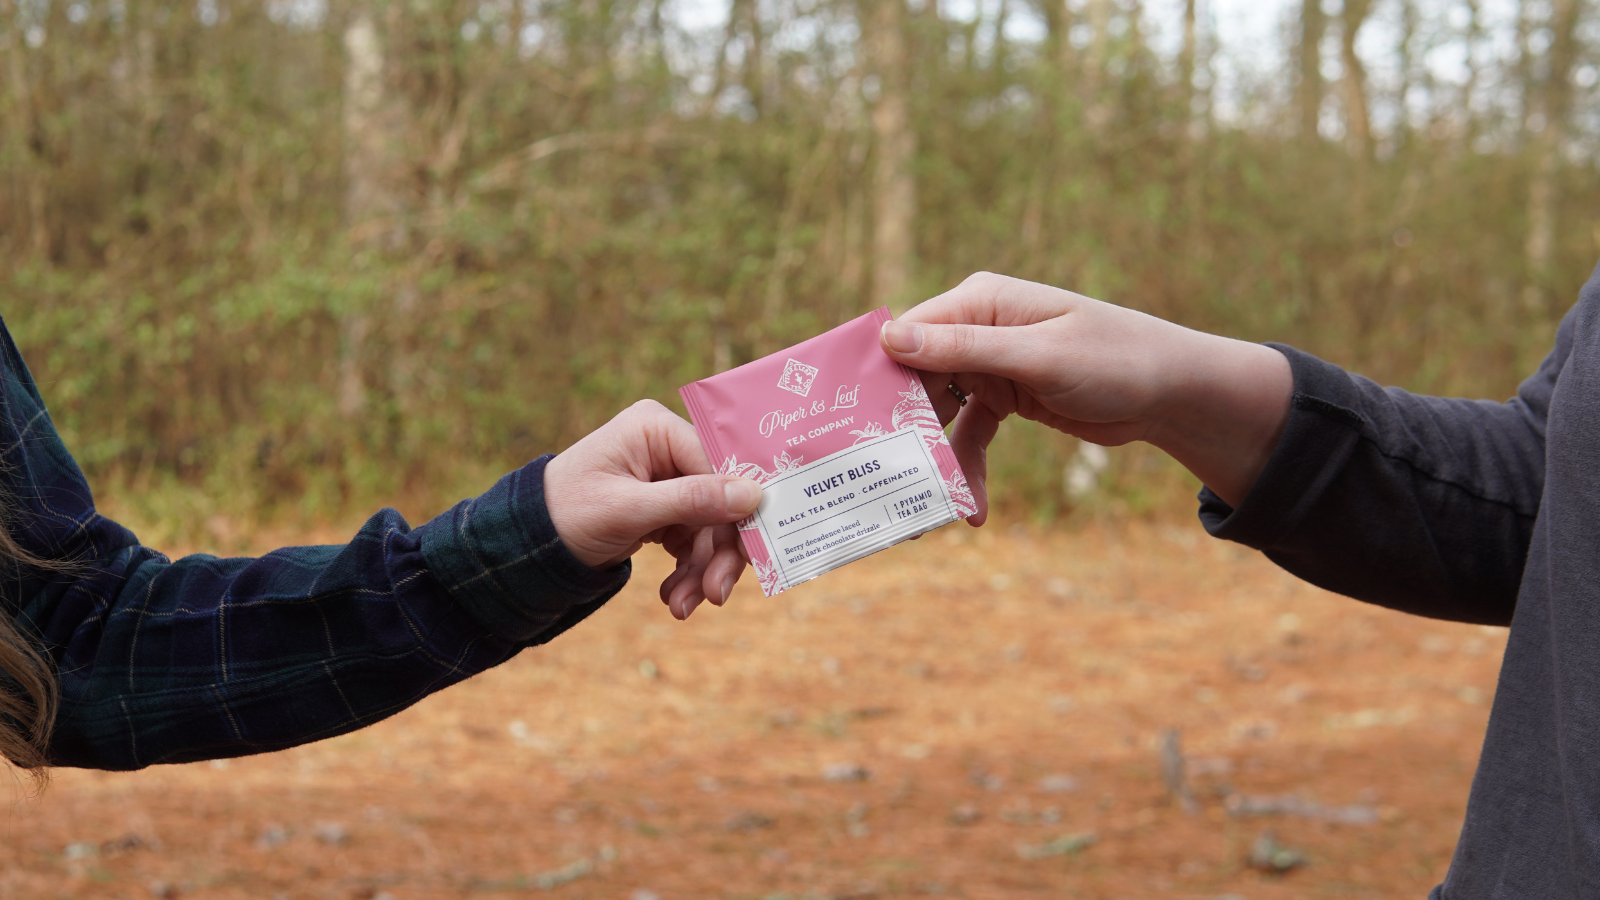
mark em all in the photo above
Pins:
pixel 923 723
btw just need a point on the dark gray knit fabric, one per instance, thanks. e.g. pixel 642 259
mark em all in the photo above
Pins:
pixel 1477 512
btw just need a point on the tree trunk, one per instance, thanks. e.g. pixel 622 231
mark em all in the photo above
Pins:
pixel 1051 117
pixel 371 196
pixel 1057 22
pixel 854 238
pixel 787 256
pixel 517 22
pixel 1308 86
pixel 1058 61
pixel 895 198
pixel 754 67
pixel 1410 19
pixel 1094 65
pixel 372 203
pixel 1524 67
pixel 29 133
pixel 1469 89
pixel 1357 121
pixel 1100 43
pixel 1554 107
pixel 1001 50
pixel 1192 150
pixel 1186 57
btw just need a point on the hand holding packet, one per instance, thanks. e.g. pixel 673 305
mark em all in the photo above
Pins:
pixel 845 445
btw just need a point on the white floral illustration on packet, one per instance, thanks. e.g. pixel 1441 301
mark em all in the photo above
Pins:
pixel 781 463
pixel 915 410
pixel 961 493
pixel 871 431
pixel 732 466
pixel 767 575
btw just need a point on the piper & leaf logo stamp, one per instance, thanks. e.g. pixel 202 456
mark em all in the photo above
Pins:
pixel 797 377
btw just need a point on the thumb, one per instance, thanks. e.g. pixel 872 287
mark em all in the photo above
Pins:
pixel 1002 351
pixel 694 500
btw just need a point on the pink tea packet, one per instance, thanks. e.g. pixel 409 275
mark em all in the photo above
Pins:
pixel 845 445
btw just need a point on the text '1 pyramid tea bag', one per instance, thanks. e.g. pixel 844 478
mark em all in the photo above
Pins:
pixel 845 444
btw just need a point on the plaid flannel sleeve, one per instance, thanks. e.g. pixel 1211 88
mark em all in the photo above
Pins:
pixel 171 661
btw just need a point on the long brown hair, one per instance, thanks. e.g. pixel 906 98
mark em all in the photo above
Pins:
pixel 29 691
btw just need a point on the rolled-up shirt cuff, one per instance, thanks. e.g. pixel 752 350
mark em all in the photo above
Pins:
pixel 500 557
pixel 1319 435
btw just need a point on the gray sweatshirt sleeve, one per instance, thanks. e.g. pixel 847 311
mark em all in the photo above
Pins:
pixel 1421 504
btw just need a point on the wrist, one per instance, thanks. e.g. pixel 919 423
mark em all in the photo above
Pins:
pixel 1224 410
pixel 563 510
pixel 500 557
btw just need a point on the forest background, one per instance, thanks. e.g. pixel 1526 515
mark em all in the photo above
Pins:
pixel 292 259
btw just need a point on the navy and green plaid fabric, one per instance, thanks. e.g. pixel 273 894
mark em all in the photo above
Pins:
pixel 170 661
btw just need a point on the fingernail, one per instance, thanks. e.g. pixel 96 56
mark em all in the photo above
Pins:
pixel 727 588
pixel 690 607
pixel 741 495
pixel 902 337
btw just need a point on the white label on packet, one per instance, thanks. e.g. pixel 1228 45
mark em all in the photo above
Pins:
pixel 852 503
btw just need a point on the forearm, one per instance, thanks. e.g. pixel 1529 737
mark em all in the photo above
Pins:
pixel 203 657
pixel 1104 373
pixel 1417 502
pixel 1423 504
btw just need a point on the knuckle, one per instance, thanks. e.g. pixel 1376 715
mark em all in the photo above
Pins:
pixel 962 340
pixel 985 282
pixel 703 495
pixel 647 408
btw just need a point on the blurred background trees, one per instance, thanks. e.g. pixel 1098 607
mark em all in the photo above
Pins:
pixel 326 252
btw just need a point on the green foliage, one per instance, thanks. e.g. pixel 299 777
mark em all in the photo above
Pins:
pixel 576 221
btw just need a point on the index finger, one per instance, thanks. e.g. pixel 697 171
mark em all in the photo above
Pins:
pixel 675 447
pixel 989 299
